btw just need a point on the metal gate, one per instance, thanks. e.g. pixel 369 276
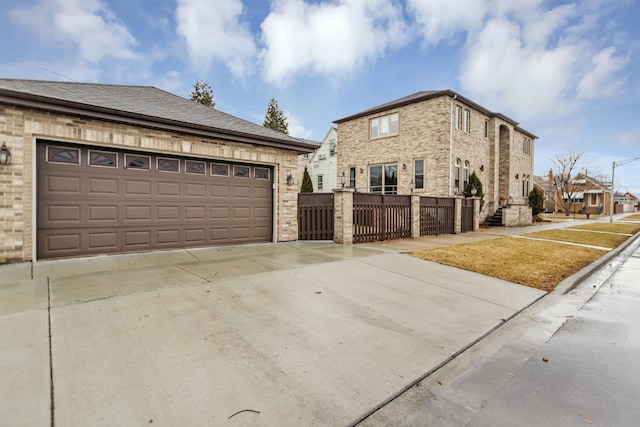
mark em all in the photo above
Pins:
pixel 437 216
pixel 467 215
pixel 315 216
pixel 379 217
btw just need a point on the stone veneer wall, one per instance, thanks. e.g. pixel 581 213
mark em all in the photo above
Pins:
pixel 20 127
pixel 424 130
pixel 517 216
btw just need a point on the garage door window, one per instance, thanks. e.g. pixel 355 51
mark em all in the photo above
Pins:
pixel 241 171
pixel 63 155
pixel 137 162
pixel 219 169
pixel 103 159
pixel 168 165
pixel 197 168
pixel 261 173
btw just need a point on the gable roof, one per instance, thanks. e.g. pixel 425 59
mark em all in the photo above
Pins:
pixel 141 105
pixel 425 95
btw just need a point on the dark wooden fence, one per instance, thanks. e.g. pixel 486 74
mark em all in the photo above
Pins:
pixel 379 217
pixel 437 216
pixel 315 216
pixel 467 215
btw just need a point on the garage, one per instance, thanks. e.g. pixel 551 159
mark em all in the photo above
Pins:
pixel 96 200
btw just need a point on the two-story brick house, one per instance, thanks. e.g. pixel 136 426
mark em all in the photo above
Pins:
pixel 430 142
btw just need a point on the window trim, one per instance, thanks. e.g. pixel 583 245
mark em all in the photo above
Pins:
pixel 126 162
pixel 458 117
pixel 383 186
pixel 212 164
pixel 456 174
pixel 378 120
pixel 90 151
pixel 466 124
pixel 353 180
pixel 465 173
pixel 186 167
pixel 237 167
pixel 158 159
pixel 320 182
pixel 415 174
pixel 255 169
pixel 63 148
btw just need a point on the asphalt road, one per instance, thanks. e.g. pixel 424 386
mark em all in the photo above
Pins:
pixel 573 360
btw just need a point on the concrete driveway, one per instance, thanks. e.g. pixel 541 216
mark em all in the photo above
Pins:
pixel 283 334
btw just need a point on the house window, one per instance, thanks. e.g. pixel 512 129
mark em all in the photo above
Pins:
pixel 332 148
pixel 457 174
pixel 383 179
pixel 320 183
pixel 526 146
pixel 467 121
pixel 524 194
pixel 466 173
pixel 458 117
pixel 383 126
pixel 594 199
pixel 305 156
pixel 352 177
pixel 418 174
pixel 486 128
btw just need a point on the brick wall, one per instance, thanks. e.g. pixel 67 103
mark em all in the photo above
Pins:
pixel 20 127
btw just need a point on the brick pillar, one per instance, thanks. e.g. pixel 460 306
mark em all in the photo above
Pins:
pixel 476 214
pixel 415 216
pixel 458 215
pixel 343 216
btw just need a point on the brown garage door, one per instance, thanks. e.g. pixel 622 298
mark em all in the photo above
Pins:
pixel 94 200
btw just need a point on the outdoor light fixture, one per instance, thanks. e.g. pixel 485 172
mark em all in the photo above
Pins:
pixel 404 166
pixel 361 170
pixel 5 155
pixel 481 168
pixel 289 179
pixel 517 176
pixel 411 186
pixel 343 179
pixel 473 191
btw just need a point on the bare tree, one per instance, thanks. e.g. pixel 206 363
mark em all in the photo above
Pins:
pixel 566 165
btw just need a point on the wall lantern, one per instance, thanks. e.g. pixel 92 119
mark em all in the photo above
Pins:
pixel 5 155
pixel 481 168
pixel 361 170
pixel 517 176
pixel 473 191
pixel 412 185
pixel 404 166
pixel 289 179
pixel 343 179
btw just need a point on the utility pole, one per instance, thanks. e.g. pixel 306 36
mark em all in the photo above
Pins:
pixel 613 171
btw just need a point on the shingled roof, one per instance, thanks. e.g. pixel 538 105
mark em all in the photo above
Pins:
pixel 425 95
pixel 141 105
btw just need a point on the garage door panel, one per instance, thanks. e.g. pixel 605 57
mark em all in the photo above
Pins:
pixel 86 209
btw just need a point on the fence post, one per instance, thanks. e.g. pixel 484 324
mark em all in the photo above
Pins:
pixel 343 216
pixel 458 215
pixel 476 214
pixel 415 216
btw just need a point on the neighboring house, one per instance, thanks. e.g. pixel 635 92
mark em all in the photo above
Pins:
pixel 432 141
pixel 109 169
pixel 324 164
pixel 546 185
pixel 587 195
pixel 304 161
pixel 627 201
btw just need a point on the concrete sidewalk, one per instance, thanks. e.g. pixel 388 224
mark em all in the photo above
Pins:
pixel 277 334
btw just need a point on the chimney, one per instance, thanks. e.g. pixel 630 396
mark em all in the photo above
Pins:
pixel 550 178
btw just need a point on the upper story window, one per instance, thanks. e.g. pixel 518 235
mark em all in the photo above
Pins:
pixel 526 146
pixel 305 156
pixel 486 128
pixel 466 125
pixel 320 182
pixel 457 174
pixel 332 147
pixel 458 117
pixel 383 126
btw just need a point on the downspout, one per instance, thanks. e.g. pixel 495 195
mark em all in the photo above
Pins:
pixel 455 96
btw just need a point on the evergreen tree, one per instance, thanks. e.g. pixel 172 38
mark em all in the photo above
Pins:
pixel 536 201
pixel 474 182
pixel 275 118
pixel 202 93
pixel 307 185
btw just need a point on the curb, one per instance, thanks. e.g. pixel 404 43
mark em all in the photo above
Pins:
pixel 573 281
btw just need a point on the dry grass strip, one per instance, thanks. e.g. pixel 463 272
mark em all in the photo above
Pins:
pixel 538 264
pixel 609 227
pixel 576 236
pixel 634 217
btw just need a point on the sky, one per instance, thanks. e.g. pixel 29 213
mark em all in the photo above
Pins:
pixel 568 72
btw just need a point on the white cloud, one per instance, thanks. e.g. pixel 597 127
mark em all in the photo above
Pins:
pixel 327 38
pixel 440 20
pixel 214 31
pixel 296 126
pixel 88 24
pixel 599 81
